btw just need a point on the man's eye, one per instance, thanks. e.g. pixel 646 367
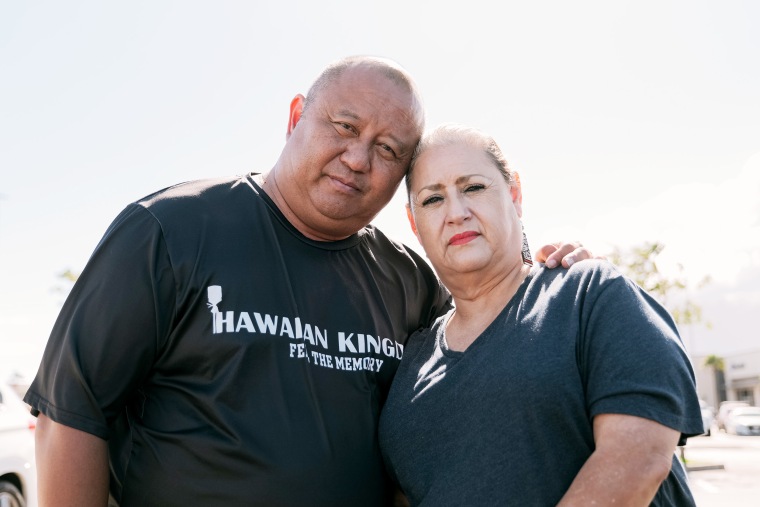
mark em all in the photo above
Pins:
pixel 432 200
pixel 387 149
pixel 346 126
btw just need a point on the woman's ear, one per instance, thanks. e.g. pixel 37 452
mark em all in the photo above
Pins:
pixel 516 191
pixel 296 108
pixel 410 216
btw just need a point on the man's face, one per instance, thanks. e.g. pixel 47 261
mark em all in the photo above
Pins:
pixel 349 151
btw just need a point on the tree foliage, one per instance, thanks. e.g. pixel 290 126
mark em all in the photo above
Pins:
pixel 640 264
pixel 717 363
pixel 66 282
pixel 69 276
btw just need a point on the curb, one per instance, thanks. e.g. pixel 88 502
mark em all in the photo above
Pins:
pixel 699 468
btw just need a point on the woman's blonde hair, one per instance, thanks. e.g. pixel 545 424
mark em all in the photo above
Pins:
pixel 452 133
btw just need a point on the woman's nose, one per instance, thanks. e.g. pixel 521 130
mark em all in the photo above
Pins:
pixel 457 210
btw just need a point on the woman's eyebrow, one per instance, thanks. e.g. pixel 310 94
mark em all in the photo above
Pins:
pixel 461 179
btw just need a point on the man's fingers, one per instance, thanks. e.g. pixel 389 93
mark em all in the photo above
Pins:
pixel 543 253
pixel 579 254
pixel 564 254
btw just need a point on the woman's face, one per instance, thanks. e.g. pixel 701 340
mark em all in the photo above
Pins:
pixel 464 213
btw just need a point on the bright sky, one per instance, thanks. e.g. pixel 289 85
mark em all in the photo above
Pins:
pixel 629 121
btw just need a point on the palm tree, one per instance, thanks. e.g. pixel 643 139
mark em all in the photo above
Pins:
pixel 718 366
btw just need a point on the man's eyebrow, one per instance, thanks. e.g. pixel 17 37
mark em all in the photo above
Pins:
pixel 349 113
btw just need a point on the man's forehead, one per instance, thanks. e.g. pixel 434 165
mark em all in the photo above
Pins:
pixel 355 80
pixel 356 100
pixel 371 79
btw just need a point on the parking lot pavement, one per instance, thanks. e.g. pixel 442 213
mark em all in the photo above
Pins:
pixel 724 470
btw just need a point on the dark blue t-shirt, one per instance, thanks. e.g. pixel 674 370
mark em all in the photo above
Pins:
pixel 509 420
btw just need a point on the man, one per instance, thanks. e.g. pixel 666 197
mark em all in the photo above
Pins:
pixel 231 341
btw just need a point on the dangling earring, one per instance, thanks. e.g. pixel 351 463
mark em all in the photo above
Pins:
pixel 527 259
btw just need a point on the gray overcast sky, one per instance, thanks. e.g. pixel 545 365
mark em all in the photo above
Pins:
pixel 629 121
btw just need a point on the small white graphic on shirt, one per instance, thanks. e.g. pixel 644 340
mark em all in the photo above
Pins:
pixel 307 341
pixel 214 298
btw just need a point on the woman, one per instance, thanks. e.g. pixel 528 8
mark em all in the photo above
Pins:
pixel 540 387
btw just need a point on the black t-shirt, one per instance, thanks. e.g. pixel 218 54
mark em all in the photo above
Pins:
pixel 230 360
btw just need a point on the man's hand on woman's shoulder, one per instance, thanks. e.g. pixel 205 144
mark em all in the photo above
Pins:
pixel 565 254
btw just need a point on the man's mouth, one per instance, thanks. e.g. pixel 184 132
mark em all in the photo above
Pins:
pixel 345 184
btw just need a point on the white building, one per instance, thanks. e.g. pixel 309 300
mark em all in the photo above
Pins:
pixel 740 379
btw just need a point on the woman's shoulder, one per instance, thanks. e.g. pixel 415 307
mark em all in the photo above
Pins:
pixel 595 268
pixel 580 279
pixel 591 269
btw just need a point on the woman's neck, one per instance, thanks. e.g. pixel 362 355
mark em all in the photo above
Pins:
pixel 478 302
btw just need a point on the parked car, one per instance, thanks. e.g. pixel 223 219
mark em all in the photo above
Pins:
pixel 743 421
pixel 724 409
pixel 708 416
pixel 18 475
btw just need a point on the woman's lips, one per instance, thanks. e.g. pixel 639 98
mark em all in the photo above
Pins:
pixel 465 237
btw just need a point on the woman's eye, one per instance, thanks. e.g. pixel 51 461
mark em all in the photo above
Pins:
pixel 474 188
pixel 432 200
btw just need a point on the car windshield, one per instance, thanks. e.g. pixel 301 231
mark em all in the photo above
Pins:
pixel 741 412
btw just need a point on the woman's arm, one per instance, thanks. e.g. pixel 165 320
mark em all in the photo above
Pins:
pixel 632 457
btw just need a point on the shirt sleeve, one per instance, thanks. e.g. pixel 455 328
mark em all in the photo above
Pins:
pixel 440 301
pixel 632 360
pixel 110 329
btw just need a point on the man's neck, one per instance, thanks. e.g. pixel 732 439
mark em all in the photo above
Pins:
pixel 268 183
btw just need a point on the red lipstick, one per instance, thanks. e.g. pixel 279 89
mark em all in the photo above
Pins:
pixel 461 239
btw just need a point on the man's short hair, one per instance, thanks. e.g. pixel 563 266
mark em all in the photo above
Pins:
pixel 387 67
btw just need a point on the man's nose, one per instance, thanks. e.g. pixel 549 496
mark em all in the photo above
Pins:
pixel 356 156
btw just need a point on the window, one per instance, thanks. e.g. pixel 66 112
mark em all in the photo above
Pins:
pixel 745 394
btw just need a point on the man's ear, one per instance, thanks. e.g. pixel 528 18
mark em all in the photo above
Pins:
pixel 410 216
pixel 296 108
pixel 516 191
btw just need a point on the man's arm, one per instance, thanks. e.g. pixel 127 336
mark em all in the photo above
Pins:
pixel 632 457
pixel 565 254
pixel 72 466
